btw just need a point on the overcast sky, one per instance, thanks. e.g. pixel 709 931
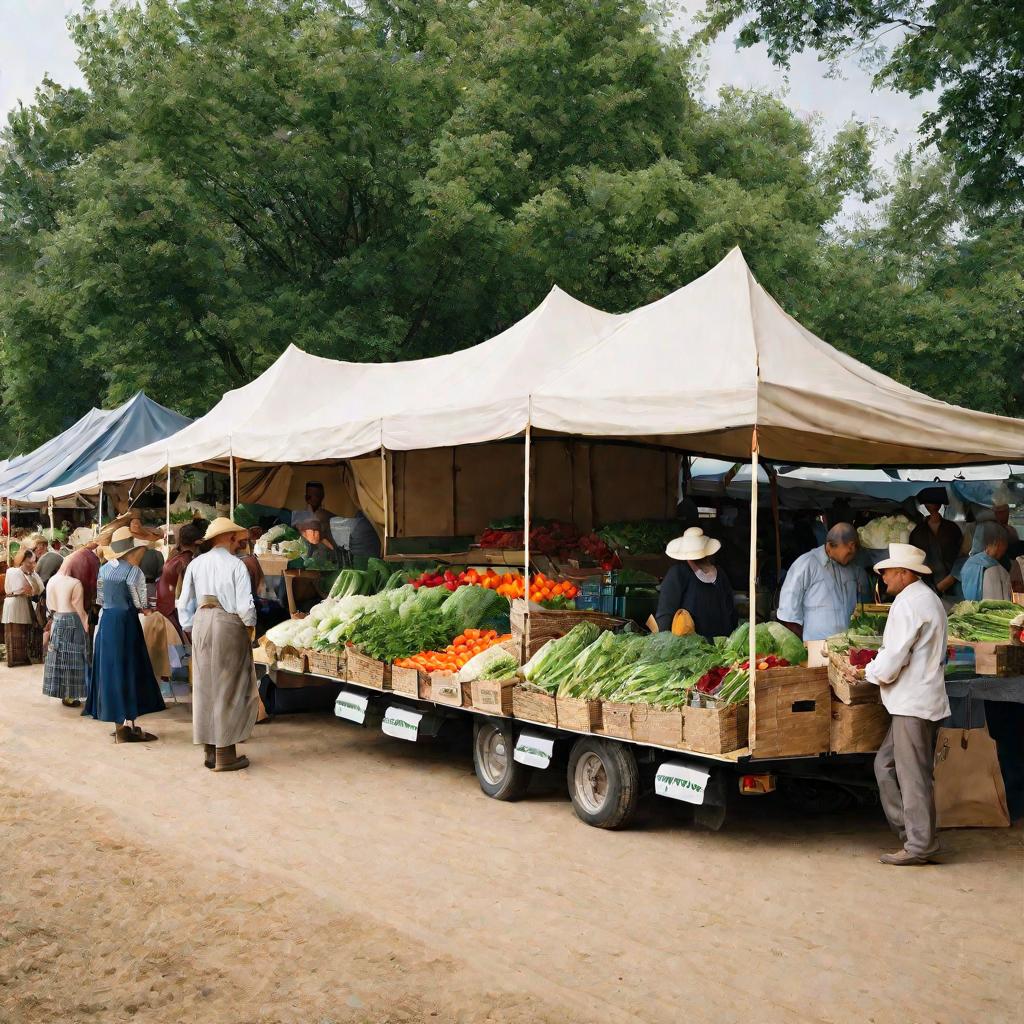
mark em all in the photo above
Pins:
pixel 34 41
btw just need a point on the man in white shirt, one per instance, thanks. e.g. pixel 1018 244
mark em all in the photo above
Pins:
pixel 910 672
pixel 216 608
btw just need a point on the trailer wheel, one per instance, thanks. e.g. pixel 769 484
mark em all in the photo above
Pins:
pixel 604 782
pixel 499 774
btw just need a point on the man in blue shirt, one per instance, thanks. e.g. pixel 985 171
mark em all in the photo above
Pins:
pixel 822 587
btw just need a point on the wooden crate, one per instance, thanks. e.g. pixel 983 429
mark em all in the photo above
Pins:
pixel 857 728
pixel 999 659
pixel 410 681
pixel 617 719
pixel 658 726
pixel 273 564
pixel 532 706
pixel 846 691
pixel 578 714
pixel 548 625
pixel 291 659
pixel 493 695
pixel 445 688
pixel 366 671
pixel 327 663
pixel 793 712
pixel 715 730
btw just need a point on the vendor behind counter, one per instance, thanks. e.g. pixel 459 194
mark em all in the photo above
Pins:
pixel 696 585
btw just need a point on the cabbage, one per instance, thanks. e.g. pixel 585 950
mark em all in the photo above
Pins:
pixel 885 530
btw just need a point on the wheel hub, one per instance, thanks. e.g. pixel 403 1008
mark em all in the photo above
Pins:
pixel 492 755
pixel 591 782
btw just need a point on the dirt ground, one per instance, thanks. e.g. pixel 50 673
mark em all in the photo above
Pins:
pixel 347 877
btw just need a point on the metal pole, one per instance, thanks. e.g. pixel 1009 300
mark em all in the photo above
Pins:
pixel 752 586
pixel 167 525
pixel 231 484
pixel 384 497
pixel 99 524
pixel 526 537
pixel 49 509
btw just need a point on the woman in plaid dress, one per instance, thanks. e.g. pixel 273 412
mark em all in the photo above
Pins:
pixel 67 657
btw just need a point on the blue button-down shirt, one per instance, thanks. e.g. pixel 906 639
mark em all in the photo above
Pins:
pixel 820 594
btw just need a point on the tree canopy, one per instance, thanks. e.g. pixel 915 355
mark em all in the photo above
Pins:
pixel 390 180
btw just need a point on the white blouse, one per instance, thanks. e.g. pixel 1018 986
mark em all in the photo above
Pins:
pixel 17 610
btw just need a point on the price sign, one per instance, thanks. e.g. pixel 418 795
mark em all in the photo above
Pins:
pixel 401 723
pixel 351 706
pixel 681 782
pixel 534 751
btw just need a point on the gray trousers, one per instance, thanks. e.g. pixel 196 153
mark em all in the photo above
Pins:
pixel 903 768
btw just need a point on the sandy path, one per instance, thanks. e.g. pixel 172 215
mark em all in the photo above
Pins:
pixel 347 876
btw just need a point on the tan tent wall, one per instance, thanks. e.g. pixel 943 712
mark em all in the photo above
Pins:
pixel 458 491
pixel 285 486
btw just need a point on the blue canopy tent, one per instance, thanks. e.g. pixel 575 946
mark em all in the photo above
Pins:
pixel 55 467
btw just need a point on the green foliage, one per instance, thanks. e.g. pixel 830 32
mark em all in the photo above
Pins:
pixel 969 52
pixel 389 180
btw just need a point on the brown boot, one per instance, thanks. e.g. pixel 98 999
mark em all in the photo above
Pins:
pixel 143 736
pixel 210 758
pixel 229 761
pixel 126 734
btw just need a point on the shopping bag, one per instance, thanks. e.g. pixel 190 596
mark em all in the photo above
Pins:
pixel 969 790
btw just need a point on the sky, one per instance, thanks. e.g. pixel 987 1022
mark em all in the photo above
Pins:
pixel 34 41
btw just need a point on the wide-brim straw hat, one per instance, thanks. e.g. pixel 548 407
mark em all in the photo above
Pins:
pixel 222 525
pixel 692 546
pixel 904 556
pixel 122 542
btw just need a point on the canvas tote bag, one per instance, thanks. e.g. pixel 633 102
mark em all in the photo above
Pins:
pixel 969 791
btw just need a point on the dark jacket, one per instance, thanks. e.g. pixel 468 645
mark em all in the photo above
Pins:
pixel 710 604
pixel 941 549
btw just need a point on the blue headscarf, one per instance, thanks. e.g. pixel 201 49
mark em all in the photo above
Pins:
pixel 972 576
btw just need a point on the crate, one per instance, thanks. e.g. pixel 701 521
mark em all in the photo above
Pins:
pixel 327 663
pixel 292 660
pixel 617 719
pixel 410 681
pixel 578 714
pixel 658 726
pixel 366 671
pixel 445 688
pixel 793 712
pixel 532 706
pixel 546 624
pixel 715 730
pixel 493 695
pixel 272 564
pixel 999 659
pixel 849 692
pixel 857 728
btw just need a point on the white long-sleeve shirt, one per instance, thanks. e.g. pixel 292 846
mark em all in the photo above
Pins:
pixel 217 574
pixel 910 667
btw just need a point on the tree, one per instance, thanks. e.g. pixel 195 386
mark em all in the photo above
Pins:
pixel 971 52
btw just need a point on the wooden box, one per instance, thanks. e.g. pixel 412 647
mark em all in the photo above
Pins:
pixel 578 714
pixel 273 564
pixel 793 712
pixel 857 728
pixel 999 659
pixel 532 706
pixel 617 719
pixel 548 624
pixel 291 659
pixel 658 726
pixel 410 681
pixel 493 695
pixel 846 691
pixel 327 663
pixel 445 688
pixel 716 730
pixel 366 671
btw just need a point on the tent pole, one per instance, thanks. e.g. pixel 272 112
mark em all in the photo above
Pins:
pixel 752 588
pixel 99 523
pixel 526 538
pixel 49 509
pixel 384 497
pixel 231 483
pixel 167 524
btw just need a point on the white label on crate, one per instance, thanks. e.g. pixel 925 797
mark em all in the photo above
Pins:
pixel 534 751
pixel 681 782
pixel 351 706
pixel 401 723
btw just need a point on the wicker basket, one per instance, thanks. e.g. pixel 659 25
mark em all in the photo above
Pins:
pixel 658 726
pixel 548 625
pixel 291 660
pixel 617 719
pixel 408 681
pixel 578 714
pixel 532 706
pixel 716 730
pixel 368 671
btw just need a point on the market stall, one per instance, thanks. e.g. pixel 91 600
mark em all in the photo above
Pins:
pixel 715 368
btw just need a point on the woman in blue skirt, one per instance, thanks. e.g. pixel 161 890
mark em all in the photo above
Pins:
pixel 122 686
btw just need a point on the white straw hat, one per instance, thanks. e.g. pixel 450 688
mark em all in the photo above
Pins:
pixel 122 542
pixel 904 556
pixel 222 525
pixel 692 546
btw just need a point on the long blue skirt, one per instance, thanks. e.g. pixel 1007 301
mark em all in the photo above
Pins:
pixel 122 686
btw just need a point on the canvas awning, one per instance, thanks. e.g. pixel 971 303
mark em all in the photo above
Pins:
pixel 66 464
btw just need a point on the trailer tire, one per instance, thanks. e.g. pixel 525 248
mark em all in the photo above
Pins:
pixel 604 782
pixel 499 774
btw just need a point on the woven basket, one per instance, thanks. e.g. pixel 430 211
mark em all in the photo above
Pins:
pixel 408 680
pixel 534 707
pixel 327 663
pixel 578 714
pixel 617 719
pixel 291 660
pixel 548 625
